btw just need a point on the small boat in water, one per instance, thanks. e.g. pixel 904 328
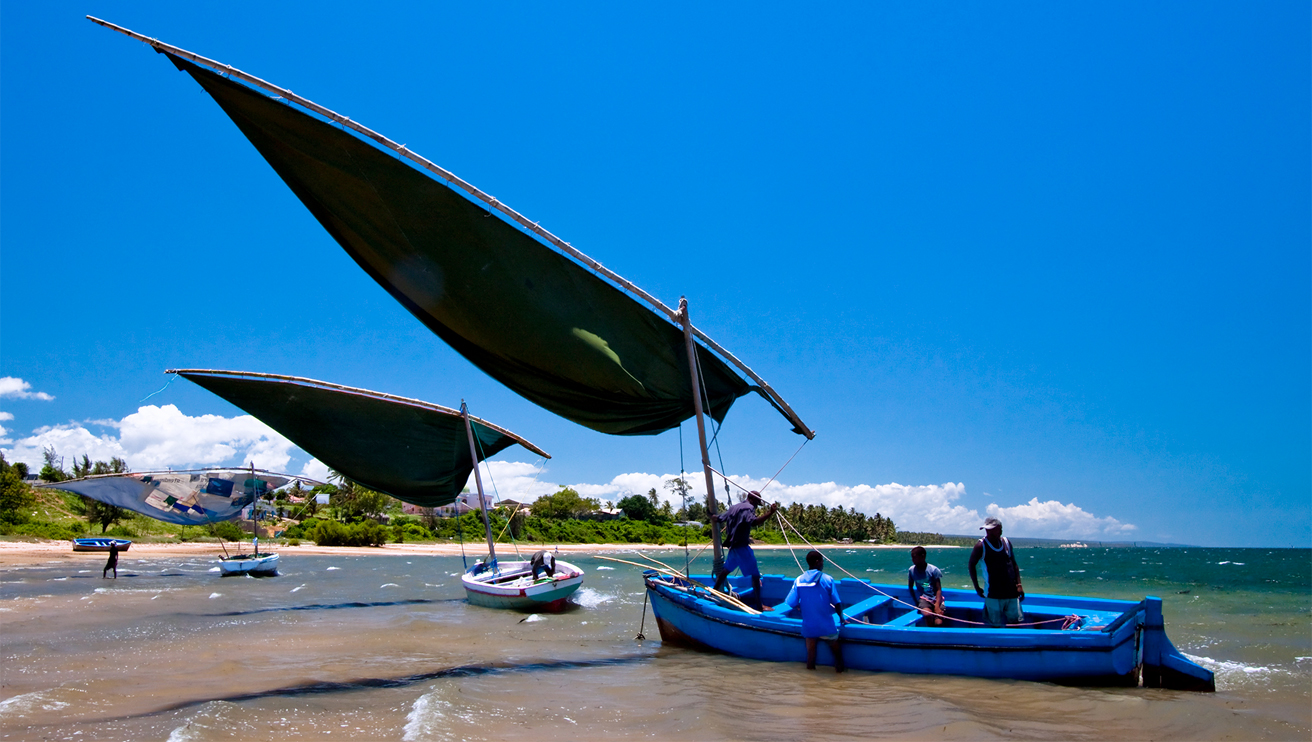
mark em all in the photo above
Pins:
pixel 100 544
pixel 260 564
pixel 511 585
pixel 1065 639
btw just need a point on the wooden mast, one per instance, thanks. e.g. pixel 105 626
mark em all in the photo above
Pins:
pixel 701 432
pixel 478 481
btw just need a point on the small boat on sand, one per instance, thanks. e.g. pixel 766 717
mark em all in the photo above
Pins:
pixel 511 585
pixel 100 544
pixel 1064 639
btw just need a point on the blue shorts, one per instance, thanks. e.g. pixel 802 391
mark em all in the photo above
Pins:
pixel 742 558
pixel 998 612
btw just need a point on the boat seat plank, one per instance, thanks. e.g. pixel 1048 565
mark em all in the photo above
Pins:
pixel 859 609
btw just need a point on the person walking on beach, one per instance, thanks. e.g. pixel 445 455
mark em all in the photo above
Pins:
pixel 112 563
pixel 1002 591
pixel 739 520
pixel 817 594
pixel 925 581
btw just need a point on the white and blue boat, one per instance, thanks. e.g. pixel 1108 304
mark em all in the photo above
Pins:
pixel 1064 639
pixel 100 544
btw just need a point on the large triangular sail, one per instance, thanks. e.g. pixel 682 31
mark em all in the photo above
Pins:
pixel 415 451
pixel 516 301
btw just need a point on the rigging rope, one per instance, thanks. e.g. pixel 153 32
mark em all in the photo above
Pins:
pixel 493 482
pixel 903 602
pixel 166 386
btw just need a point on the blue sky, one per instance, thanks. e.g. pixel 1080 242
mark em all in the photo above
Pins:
pixel 1049 262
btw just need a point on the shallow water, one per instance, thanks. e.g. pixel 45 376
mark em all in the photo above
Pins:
pixel 382 647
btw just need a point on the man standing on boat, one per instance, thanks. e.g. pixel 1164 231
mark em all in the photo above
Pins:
pixel 1002 591
pixel 739 520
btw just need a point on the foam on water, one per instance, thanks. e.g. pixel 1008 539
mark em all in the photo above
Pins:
pixel 389 584
pixel 26 703
pixel 215 595
pixel 599 569
pixel 330 569
pixel 589 598
pixel 213 569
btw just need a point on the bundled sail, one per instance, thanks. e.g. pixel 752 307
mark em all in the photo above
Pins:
pixel 189 498
pixel 414 451
pixel 528 315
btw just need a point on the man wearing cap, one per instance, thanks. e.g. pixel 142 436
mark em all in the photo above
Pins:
pixel 1002 591
pixel 739 520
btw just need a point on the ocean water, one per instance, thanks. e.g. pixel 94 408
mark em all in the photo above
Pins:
pixel 385 647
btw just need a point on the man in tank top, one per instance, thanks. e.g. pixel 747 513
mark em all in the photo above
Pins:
pixel 1002 591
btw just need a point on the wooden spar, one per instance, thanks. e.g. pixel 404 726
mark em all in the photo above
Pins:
pixel 478 481
pixel 363 393
pixel 718 563
pixel 487 199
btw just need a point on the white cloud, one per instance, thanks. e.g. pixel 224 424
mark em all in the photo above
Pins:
pixel 929 507
pixel 163 437
pixel 6 416
pixel 12 386
pixel 316 470
pixel 1057 520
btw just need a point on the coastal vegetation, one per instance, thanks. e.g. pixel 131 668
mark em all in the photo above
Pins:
pixel 358 516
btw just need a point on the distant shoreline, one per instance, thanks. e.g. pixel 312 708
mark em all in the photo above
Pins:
pixel 19 553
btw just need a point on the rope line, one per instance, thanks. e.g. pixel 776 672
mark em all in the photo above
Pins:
pixel 166 386
pixel 903 602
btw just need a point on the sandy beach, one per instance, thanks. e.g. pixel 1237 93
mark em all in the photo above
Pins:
pixel 16 553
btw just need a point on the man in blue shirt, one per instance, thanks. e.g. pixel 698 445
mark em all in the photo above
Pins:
pixel 817 594
pixel 739 520
pixel 925 581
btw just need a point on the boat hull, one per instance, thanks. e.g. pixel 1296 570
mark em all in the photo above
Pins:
pixel 249 564
pixel 100 544
pixel 516 591
pixel 889 637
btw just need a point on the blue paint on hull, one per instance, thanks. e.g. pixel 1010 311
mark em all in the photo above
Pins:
pixel 1109 651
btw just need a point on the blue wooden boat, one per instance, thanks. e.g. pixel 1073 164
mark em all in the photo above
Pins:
pixel 100 544
pixel 1071 640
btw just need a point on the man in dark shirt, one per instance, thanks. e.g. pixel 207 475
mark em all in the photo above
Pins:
pixel 1002 591
pixel 739 520
pixel 543 562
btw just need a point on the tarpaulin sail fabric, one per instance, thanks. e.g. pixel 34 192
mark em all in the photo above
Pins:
pixel 534 320
pixel 411 450
pixel 186 498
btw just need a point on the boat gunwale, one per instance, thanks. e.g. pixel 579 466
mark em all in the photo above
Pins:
pixel 929 636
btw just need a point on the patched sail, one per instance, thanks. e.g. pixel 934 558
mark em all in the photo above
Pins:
pixel 189 498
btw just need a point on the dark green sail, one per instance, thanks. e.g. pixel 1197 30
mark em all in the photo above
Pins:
pixel 527 315
pixel 411 450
